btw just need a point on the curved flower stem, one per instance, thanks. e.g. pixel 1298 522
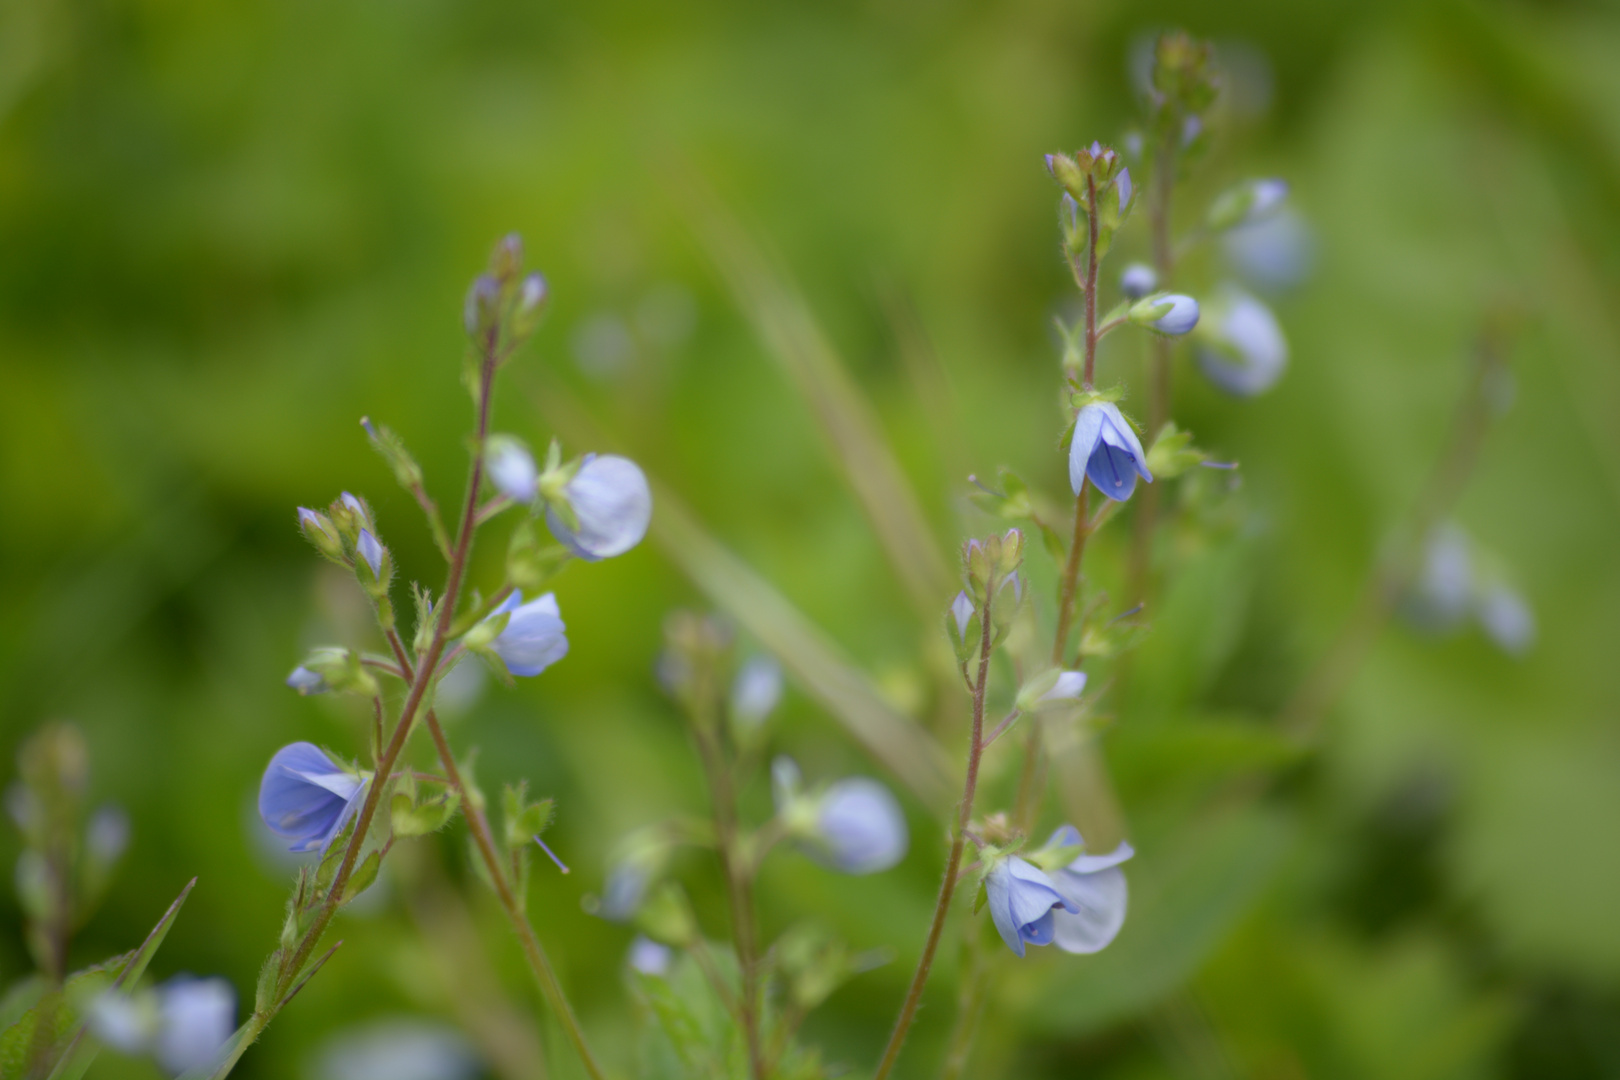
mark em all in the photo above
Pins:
pixel 478 824
pixel 947 886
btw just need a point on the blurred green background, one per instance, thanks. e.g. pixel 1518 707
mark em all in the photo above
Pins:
pixel 229 230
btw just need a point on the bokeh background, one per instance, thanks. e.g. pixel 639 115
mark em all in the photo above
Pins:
pixel 227 231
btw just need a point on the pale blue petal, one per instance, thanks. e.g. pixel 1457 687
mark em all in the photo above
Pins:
pixel 1096 909
pixel 613 503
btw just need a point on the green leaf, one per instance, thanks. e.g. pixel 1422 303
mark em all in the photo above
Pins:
pixel 23 1039
pixel 81 1052
pixel 363 876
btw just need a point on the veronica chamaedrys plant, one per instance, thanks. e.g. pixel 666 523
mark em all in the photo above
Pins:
pixel 602 510
pixel 1106 449
pixel 1241 347
pixel 525 638
pixel 308 798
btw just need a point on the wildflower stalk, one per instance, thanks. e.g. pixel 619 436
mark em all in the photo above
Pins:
pixel 947 887
pixel 1159 371
pixel 1068 592
pixel 736 871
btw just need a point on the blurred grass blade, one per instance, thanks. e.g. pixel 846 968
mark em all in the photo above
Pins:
pixel 81 1051
pixel 893 738
pixel 854 437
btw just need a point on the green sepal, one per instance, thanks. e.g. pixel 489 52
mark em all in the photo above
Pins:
pixel 1079 399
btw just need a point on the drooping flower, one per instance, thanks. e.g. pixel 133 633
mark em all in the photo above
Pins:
pixel 1105 448
pixel 534 637
pixel 1022 898
pixel 1242 349
pixel 613 504
pixel 854 825
pixel 862 830
pixel 1274 253
pixel 1138 280
pixel 511 469
pixel 756 690
pixel 307 798
pixel 1094 888
pixel 1173 314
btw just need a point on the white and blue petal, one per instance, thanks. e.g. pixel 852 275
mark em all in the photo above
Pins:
pixel 613 504
pixel 307 798
pixel 534 637
pixel 1021 898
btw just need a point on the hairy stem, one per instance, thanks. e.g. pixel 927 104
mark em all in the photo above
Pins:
pixel 947 886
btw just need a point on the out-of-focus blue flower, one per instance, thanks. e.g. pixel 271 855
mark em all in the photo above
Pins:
pixel 756 691
pixel 1173 314
pixel 1022 898
pixel 198 1017
pixel 860 827
pixel 534 637
pixel 1067 688
pixel 1105 448
pixel 649 957
pixel 1507 619
pixel 371 551
pixel 307 798
pixel 511 469
pixel 1124 183
pixel 108 834
pixel 481 310
pixel 307 682
pixel 1273 253
pixel 610 497
pixel 854 825
pixel 1241 349
pixel 1138 280
pixel 404 1048
pixel 1442 594
pixel 1094 888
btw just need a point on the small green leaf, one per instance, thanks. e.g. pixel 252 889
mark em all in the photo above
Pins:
pixel 363 876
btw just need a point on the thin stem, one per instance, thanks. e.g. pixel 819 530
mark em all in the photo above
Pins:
pixel 478 824
pixel 947 886
pixel 1069 594
pixel 736 871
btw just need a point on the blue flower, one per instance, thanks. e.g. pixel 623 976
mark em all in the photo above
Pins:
pixel 1022 898
pixel 1507 619
pixel 307 682
pixel 1242 349
pixel 1138 280
pixel 1165 313
pixel 511 469
pixel 307 798
pixel 1105 448
pixel 199 1016
pixel 859 827
pixel 611 500
pixel 1093 888
pixel 533 639
pixel 756 690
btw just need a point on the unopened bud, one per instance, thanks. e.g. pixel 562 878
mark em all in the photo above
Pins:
pixel 1166 313
pixel 1138 280
pixel 482 311
pixel 506 261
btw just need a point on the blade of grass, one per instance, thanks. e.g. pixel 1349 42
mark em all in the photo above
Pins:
pixel 81 1052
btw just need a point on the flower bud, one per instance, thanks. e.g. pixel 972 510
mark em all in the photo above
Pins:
pixel 855 825
pixel 756 691
pixel 482 311
pixel 319 530
pixel 1166 313
pixel 1138 280
pixel 531 304
pixel 506 261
